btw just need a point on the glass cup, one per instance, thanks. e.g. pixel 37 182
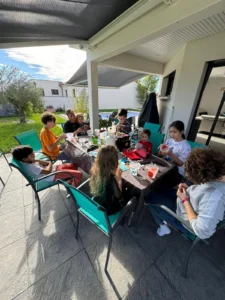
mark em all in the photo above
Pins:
pixel 134 167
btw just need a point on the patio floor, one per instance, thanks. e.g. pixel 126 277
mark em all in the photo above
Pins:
pixel 43 260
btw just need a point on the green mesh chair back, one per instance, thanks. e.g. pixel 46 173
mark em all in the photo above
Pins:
pixel 157 140
pixel 154 128
pixel 196 145
pixel 29 138
pixel 19 166
pixel 38 186
pixel 91 209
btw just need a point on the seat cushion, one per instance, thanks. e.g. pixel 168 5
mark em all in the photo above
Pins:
pixel 112 219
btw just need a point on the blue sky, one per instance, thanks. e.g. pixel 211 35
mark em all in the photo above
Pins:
pixel 49 62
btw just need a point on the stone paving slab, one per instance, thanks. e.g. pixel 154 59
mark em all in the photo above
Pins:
pixel 75 279
pixel 14 270
pixel 204 280
pixel 43 260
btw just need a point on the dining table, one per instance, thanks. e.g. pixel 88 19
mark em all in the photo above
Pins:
pixel 167 174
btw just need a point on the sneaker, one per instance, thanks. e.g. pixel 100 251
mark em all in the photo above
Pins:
pixel 163 230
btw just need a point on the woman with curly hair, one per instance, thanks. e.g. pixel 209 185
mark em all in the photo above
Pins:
pixel 203 203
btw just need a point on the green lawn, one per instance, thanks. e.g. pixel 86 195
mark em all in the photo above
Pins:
pixel 9 129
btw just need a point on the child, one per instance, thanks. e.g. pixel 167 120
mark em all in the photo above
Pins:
pixel 179 148
pixel 39 168
pixel 123 125
pixel 144 141
pixel 82 127
pixel 50 142
pixel 106 181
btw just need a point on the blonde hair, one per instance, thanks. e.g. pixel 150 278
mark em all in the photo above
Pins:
pixel 105 165
pixel 79 115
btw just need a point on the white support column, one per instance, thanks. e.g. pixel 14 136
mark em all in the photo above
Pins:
pixel 92 76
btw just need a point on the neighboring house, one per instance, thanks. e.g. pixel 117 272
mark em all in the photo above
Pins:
pixel 62 95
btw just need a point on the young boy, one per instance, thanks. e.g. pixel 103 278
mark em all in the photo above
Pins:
pixel 123 125
pixel 50 142
pixel 82 127
pixel 144 141
pixel 39 168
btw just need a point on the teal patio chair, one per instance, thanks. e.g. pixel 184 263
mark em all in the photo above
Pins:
pixel 38 184
pixel 97 214
pixel 154 128
pixel 190 235
pixel 196 145
pixel 156 139
pixel 62 125
pixel 31 138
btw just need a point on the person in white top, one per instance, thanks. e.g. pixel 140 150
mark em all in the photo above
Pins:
pixel 177 149
pixel 202 205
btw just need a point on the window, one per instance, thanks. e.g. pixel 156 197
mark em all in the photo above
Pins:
pixel 66 93
pixel 167 85
pixel 55 92
pixel 74 93
pixel 42 92
pixel 170 77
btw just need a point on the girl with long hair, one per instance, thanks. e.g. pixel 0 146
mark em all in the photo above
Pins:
pixel 106 181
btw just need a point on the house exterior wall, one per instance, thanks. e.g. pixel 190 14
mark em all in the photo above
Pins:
pixel 190 72
pixel 108 97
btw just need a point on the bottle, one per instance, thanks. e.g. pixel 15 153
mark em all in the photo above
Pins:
pixel 110 140
pixel 132 127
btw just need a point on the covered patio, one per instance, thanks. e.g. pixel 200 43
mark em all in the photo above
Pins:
pixel 43 260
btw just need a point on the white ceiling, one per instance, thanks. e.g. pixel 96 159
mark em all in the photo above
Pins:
pixel 218 72
pixel 165 47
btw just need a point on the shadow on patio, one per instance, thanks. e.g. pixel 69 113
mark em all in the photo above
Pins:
pixel 43 260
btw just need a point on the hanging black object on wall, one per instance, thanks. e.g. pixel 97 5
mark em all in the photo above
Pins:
pixel 149 112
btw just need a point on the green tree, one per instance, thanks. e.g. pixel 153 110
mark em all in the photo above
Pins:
pixel 18 89
pixel 146 85
pixel 81 102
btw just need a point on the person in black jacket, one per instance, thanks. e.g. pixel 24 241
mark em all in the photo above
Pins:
pixel 71 125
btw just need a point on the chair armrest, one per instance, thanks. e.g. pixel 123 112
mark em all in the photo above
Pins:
pixel 45 155
pixel 53 173
pixel 132 202
pixel 82 184
pixel 183 222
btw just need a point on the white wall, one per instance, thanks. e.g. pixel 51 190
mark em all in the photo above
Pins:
pixel 166 106
pixel 190 76
pixel 212 95
pixel 108 97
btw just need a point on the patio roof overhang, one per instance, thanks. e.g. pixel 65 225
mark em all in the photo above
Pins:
pixel 35 22
pixel 107 77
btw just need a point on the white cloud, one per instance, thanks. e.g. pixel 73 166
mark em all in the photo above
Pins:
pixel 54 62
pixel 2 65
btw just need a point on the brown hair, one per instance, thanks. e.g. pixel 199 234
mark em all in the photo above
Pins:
pixel 69 111
pixel 147 132
pixel 205 165
pixel 122 112
pixel 47 117
pixel 105 165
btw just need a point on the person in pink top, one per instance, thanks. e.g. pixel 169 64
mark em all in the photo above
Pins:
pixel 144 141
